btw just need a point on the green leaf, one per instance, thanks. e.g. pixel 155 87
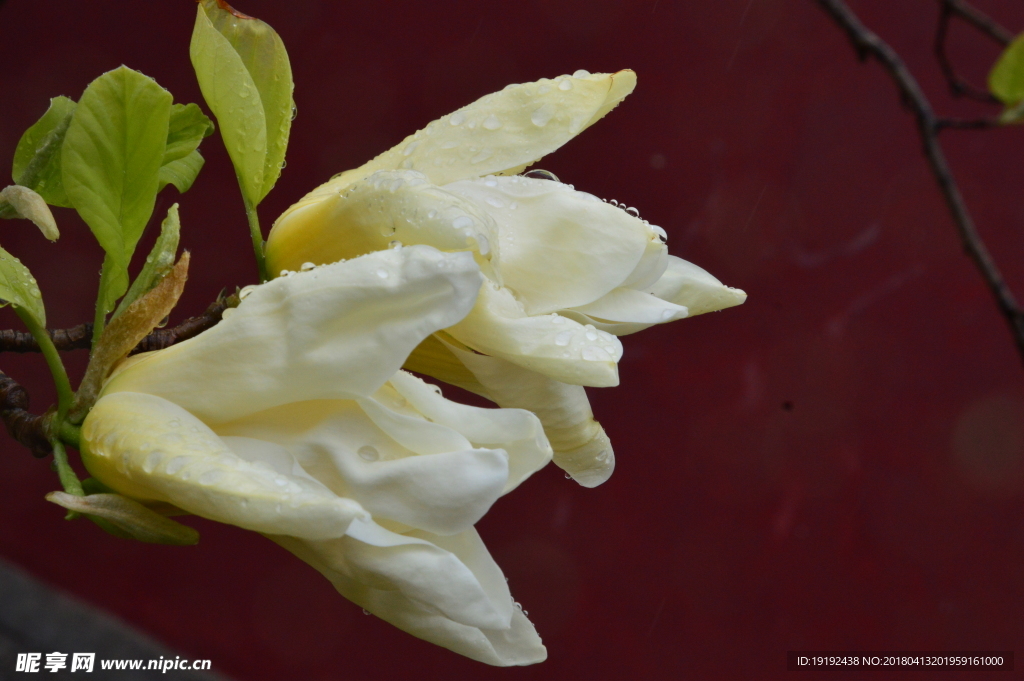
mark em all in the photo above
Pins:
pixel 181 172
pixel 112 155
pixel 1006 80
pixel 187 127
pixel 158 263
pixel 244 74
pixel 18 287
pixel 37 157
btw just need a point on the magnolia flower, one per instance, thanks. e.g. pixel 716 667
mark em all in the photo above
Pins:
pixel 291 418
pixel 566 273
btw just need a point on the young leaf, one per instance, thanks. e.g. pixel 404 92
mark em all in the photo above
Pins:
pixel 1006 80
pixel 158 263
pixel 111 160
pixel 181 172
pixel 244 74
pixel 187 127
pixel 22 202
pixel 18 287
pixel 37 157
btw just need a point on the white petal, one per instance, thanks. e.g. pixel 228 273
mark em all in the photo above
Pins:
pixel 333 332
pixel 437 481
pixel 686 284
pixel 548 344
pixel 560 248
pixel 516 431
pixel 581 447
pixel 423 571
pixel 637 308
pixel 533 120
pixel 148 448
pixel 389 207
pixel 447 591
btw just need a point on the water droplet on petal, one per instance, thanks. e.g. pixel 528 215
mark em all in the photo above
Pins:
pixel 633 211
pixel 462 221
pixel 409 148
pixel 495 201
pixel 244 293
pixel 581 73
pixel 211 477
pixel 152 461
pixel 565 85
pixel 591 335
pixel 564 338
pixel 492 122
pixel 368 453
pixel 431 214
pixel 307 266
pixel 539 174
pixel 543 115
pixel 175 465
pixel 382 273
pixel 457 118
pixel 395 244
pixel 482 156
pixel 667 314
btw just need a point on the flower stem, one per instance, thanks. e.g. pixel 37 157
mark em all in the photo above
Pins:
pixel 257 240
pixel 65 395
pixel 70 481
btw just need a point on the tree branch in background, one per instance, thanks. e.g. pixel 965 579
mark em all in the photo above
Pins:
pixel 869 45
pixel 957 8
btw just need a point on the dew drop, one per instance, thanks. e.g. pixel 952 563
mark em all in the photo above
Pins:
pixel 495 201
pixel 366 612
pixel 633 211
pixel 382 273
pixel 307 266
pixel 513 206
pixel 565 85
pixel 410 147
pixel 543 89
pixel 483 244
pixel 568 476
pixel 667 314
pixel 281 481
pixel 175 465
pixel 662 234
pixel 462 221
pixel 564 338
pixel 174 423
pixel 591 335
pixel 492 122
pixel 581 73
pixel 368 453
pixel 592 353
pixel 395 244
pixel 152 461
pixel 482 156
pixel 457 118
pixel 295 112
pixel 211 477
pixel 490 182
pixel 543 115
pixel 539 174
pixel 557 319
pixel 244 293
pixel 431 214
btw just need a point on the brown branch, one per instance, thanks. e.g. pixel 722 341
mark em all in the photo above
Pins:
pixel 190 328
pixel 80 337
pixel 948 9
pixel 26 428
pixel 868 44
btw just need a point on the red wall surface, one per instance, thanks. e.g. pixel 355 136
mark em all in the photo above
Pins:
pixel 883 510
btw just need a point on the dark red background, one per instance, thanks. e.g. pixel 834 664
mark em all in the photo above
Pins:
pixel 882 511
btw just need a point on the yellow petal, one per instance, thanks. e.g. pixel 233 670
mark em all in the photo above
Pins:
pixel 150 449
pixel 500 133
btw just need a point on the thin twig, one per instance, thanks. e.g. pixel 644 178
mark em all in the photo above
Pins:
pixel 948 9
pixel 868 44
pixel 80 337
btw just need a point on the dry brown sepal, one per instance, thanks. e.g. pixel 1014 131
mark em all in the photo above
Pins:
pixel 124 333
pixel 127 518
